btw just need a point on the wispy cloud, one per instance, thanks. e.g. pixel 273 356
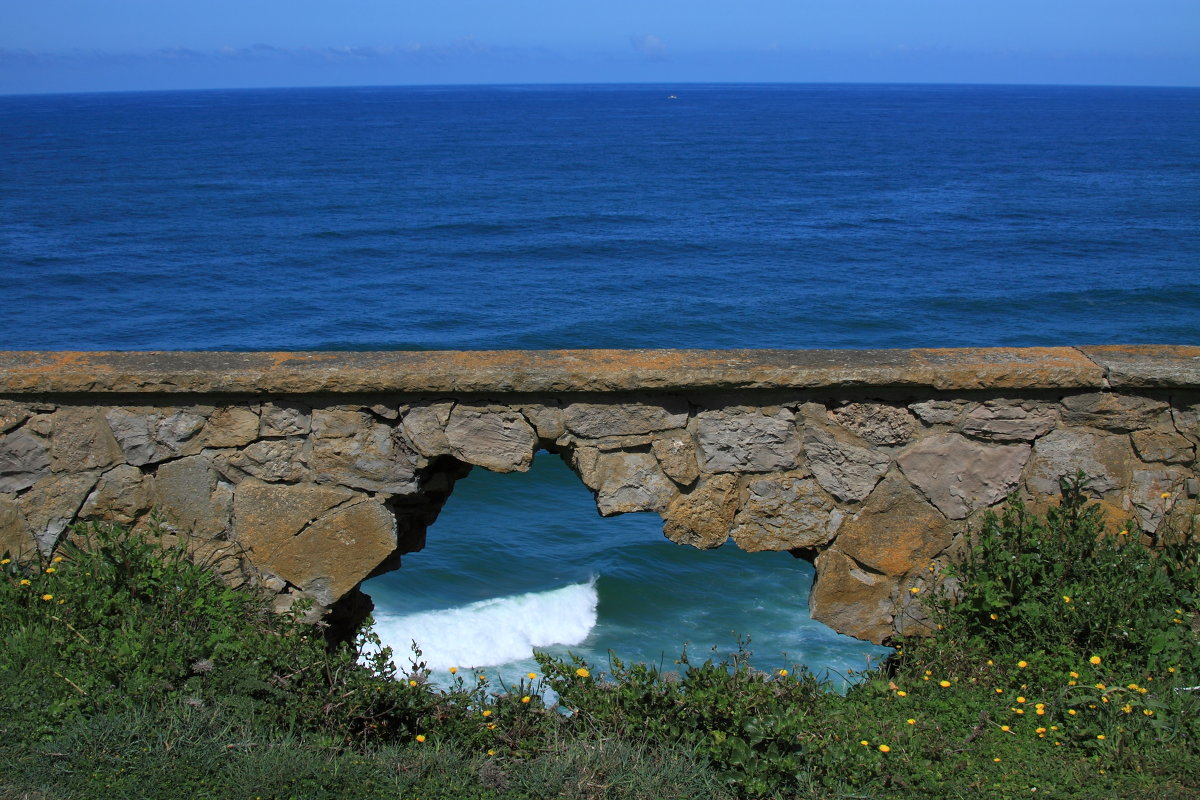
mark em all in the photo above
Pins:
pixel 650 46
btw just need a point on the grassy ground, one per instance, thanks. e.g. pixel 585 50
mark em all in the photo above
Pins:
pixel 1060 666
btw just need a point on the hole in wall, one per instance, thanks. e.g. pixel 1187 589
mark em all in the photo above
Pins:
pixel 523 560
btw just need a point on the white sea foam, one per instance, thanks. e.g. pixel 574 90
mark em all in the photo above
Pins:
pixel 494 631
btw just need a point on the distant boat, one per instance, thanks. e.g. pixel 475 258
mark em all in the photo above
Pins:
pixel 672 97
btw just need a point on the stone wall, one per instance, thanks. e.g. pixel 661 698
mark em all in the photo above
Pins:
pixel 306 473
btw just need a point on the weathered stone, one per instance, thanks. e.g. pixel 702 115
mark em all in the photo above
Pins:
pixel 747 441
pixel 82 440
pixel 384 411
pixel 676 454
pixel 609 443
pixel 623 482
pixel 895 530
pixel 1113 412
pixel 549 421
pixel 959 475
pixel 595 420
pixel 15 538
pixel 150 435
pixel 785 512
pixel 13 414
pixel 938 412
pixel 339 423
pixel 41 424
pixel 1143 366
pixel 193 498
pixel 267 515
pixel 337 551
pixel 702 518
pixel 492 437
pixel 1163 446
pixel 425 426
pixel 122 495
pixel 283 418
pixel 231 426
pixel 1002 421
pixel 24 459
pixel 878 423
pixel 1105 459
pixel 268 460
pixel 852 599
pixel 845 469
pixel 1146 492
pixel 52 503
pixel 377 458
pixel 1187 420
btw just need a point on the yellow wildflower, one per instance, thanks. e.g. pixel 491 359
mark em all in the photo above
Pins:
pixel 996 759
pixel 1020 699
pixel 901 693
pixel 1066 598
pixel 491 752
pixel 24 581
pixel 1165 495
pixel 1099 735
pixel 47 597
pixel 56 560
pixel 911 721
pixel 1094 660
pixel 412 683
pixel 5 561
pixel 994 616
pixel 532 676
pixel 865 743
pixel 1128 709
pixel 420 737
pixel 915 590
pixel 453 670
pixel 525 699
pixel 1123 533
pixel 583 673
pixel 50 570
pixel 1147 712
pixel 943 684
pixel 1073 674
pixel 491 726
pixel 1022 664
pixel 487 712
pixel 1005 728
pixel 883 748
pixel 1040 730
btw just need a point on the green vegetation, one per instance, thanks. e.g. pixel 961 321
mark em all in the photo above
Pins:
pixel 1061 658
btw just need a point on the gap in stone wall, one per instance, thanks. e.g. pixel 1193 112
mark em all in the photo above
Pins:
pixel 522 558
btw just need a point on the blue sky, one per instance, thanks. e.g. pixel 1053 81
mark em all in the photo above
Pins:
pixel 98 45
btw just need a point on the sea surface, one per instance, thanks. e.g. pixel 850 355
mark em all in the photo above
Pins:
pixel 696 216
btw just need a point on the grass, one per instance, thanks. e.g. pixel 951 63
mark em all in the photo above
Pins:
pixel 1059 664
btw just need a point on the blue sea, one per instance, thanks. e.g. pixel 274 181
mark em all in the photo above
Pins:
pixel 695 216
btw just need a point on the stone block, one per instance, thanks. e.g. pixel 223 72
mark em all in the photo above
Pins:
pixel 843 467
pixel 339 423
pixel 785 512
pixel 703 517
pixel 51 504
pixel 493 437
pixel 747 441
pixel 852 599
pixel 623 482
pixel 959 475
pixel 16 541
pixel 148 436
pixel 231 426
pixel 596 420
pixel 24 459
pixel 938 412
pixel 192 497
pixel 336 552
pixel 1113 412
pixel 377 458
pixel 1166 447
pixel 425 426
pixel 1006 421
pixel 267 515
pixel 82 440
pixel 284 418
pixel 895 531
pixel 122 495
pixel 268 460
pixel 878 423
pixel 550 422
pixel 676 454
pixel 1106 459
pixel 13 414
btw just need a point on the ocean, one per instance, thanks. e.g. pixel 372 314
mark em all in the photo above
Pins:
pixel 691 216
